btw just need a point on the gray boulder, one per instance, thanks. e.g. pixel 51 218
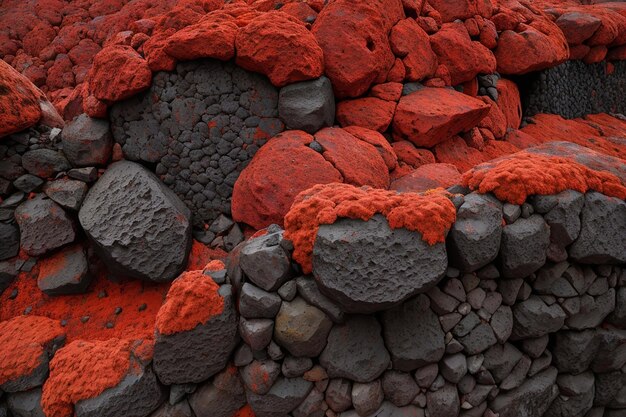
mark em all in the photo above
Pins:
pixel 255 303
pixel 44 226
pixel 355 350
pixel 524 246
pixel 307 105
pixel 139 227
pixel 44 163
pixel 87 141
pixel 367 266
pixel 301 328
pixel 72 277
pixel 413 334
pixel 286 394
pixel 221 397
pixel 338 394
pixel 444 402
pixel 399 387
pixel 367 397
pixel 69 194
pixel 564 218
pixel 26 403
pixel 474 240
pixel 530 399
pixel 10 238
pixel 197 354
pixel 577 395
pixel 265 262
pixel 602 237
pixel 534 318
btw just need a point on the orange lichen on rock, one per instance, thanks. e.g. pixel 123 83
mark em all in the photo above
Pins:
pixel 431 214
pixel 23 340
pixel 514 178
pixel 245 411
pixel 84 369
pixel 192 300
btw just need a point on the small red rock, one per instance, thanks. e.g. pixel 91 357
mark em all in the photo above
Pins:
pixel 495 120
pixel 378 141
pixel 369 112
pixel 388 91
pixel 209 38
pixel 578 27
pixel 410 155
pixel 428 177
pixel 409 42
pixel 462 9
pixel 509 102
pixel 596 54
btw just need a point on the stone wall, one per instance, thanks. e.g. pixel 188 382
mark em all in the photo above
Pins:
pixel 575 89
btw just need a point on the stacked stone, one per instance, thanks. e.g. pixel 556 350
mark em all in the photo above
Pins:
pixel 200 126
pixel 575 89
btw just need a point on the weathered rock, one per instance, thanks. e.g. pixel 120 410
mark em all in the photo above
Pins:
pixel 399 264
pixel 180 409
pixel 474 240
pixel 19 103
pixel 355 350
pixel 66 272
pixel 10 238
pixel 367 397
pixel 578 27
pixel 256 332
pixel 534 318
pixel 293 367
pixel 254 303
pixel 577 395
pixel 301 328
pixel 432 115
pixel 138 394
pixel 307 105
pixel 593 311
pixel 502 323
pixel 197 354
pixel 338 395
pixel 479 339
pixel 44 226
pixel 500 360
pixel 264 261
pixel 286 394
pixel 564 218
pixel 27 183
pixel 312 406
pixel 400 388
pixel 221 397
pixel 67 193
pixel 87 174
pixel 532 398
pixel 259 376
pixel 44 163
pixel 413 334
pixel 517 375
pixel 524 246
pixel 444 402
pixel 387 409
pixel 602 237
pixel 574 351
pixel 87 142
pixel 26 403
pixel 307 288
pixel 454 367
pixel 138 226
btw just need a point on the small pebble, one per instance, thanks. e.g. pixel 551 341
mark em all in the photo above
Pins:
pixel 143 307
pixel 63 323
pixel 28 310
pixel 109 325
pixel 13 294
pixel 102 294
pixel 84 319
pixel 118 310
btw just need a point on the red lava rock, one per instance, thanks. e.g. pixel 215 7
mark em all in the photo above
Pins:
pixel 209 38
pixel 509 102
pixel 495 120
pixel 410 42
pixel 488 34
pixel 378 141
pixel 464 58
pixel 578 27
pixel 262 195
pixel 462 9
pixel 432 115
pixel 455 151
pixel 154 51
pixel 474 139
pixel 299 10
pixel 428 177
pixel 596 54
pixel 520 139
pixel 578 52
pixel 276 45
pixel 410 155
pixel 118 72
pixel 397 72
pixel 60 74
pixel 388 91
pixel 19 101
pixel 363 55
pixel 369 112
pixel 531 49
pixel 358 162
pixel 428 24
pixel 471 87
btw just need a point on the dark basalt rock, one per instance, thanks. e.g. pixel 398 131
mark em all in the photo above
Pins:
pixel 138 226
pixel 87 141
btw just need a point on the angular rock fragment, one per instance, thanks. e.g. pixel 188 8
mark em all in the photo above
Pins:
pixel 44 163
pixel 87 142
pixel 339 394
pixel 256 332
pixel 284 396
pixel 524 246
pixel 255 303
pixel 577 395
pixel 264 261
pixel 534 318
pixel 307 105
pixel 66 272
pixel 532 398
pixel 307 288
pixel 367 397
pixel 399 387
pixel 444 402
pixel 301 328
pixel 69 194
pixel 10 238
pixel 221 397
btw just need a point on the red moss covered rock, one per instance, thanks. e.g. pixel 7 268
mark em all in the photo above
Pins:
pixel 428 177
pixel 353 36
pixel 411 43
pixel 431 214
pixel 432 115
pixel 19 101
pixel 463 57
pixel 277 45
pixel 462 9
pixel 118 72
pixel 378 141
pixel 212 37
pixel 369 112
pixel 509 102
pixel 27 343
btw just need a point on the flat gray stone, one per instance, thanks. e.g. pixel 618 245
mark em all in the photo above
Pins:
pixel 413 334
pixel 367 266
pixel 355 350
pixel 307 105
pixel 139 227
pixel 524 246
pixel 44 163
pixel 26 403
pixel 301 328
pixel 602 237
pixel 28 183
pixel 474 239
pixel 87 141
pixel 69 194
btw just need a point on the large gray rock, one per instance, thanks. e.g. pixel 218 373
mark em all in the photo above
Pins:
pixel 564 218
pixel 367 266
pixel 355 350
pixel 286 394
pixel 534 318
pixel 26 403
pixel 87 141
pixel 10 238
pixel 221 397
pixel 197 354
pixel 577 394
pixel 413 334
pixel 307 105
pixel 524 246
pixel 137 395
pixel 139 227
pixel 265 262
pixel 301 328
pixel 602 237
pixel 474 240
pixel 71 275
pixel 44 226
pixel 530 399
